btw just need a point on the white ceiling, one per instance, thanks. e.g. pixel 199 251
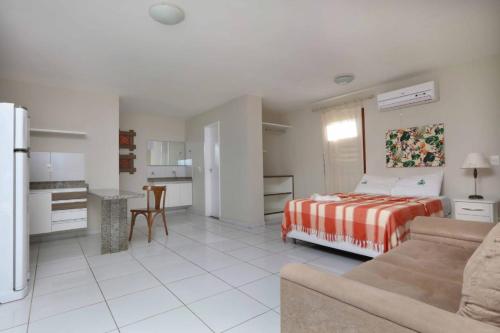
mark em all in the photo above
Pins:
pixel 286 51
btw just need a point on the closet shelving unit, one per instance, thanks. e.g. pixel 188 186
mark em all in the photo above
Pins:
pixel 278 190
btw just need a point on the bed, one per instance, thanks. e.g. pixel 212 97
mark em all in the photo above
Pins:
pixel 365 224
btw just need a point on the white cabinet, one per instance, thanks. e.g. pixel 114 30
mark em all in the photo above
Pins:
pixel 52 166
pixel 67 166
pixel 186 194
pixel 40 212
pixel 39 167
pixel 476 210
pixel 179 194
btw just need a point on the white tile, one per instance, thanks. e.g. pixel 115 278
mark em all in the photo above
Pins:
pixel 227 245
pixel 152 249
pixel 276 246
pixel 63 281
pixel 115 270
pixel 277 309
pixel 95 318
pixel 269 322
pixel 274 263
pixel 266 290
pixel 198 287
pixel 176 271
pixel 110 259
pixel 127 284
pixel 63 266
pixel 212 260
pixel 240 274
pixel 249 253
pixel 56 256
pixel 336 263
pixel 17 329
pixel 178 320
pixel 161 260
pixel 61 301
pixel 174 241
pixel 134 307
pixel 254 239
pixel 15 313
pixel 227 310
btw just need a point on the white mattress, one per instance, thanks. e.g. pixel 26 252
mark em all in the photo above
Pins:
pixel 446 205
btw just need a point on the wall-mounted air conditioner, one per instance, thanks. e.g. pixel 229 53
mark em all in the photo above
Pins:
pixel 410 96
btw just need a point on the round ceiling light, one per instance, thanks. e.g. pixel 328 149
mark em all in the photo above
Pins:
pixel 166 13
pixel 344 79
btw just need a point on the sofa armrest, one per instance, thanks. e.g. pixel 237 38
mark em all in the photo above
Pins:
pixel 452 232
pixel 316 301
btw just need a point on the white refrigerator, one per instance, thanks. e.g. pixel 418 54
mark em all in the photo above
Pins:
pixel 14 188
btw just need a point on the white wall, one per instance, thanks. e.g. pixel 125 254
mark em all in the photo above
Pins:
pixel 469 107
pixel 241 166
pixel 149 126
pixel 65 109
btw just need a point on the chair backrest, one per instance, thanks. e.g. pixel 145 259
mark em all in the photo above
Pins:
pixel 159 192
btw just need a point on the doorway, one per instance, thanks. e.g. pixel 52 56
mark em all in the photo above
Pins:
pixel 212 169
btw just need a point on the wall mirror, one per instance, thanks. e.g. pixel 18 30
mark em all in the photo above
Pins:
pixel 166 153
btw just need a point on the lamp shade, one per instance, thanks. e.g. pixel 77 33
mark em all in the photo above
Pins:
pixel 476 161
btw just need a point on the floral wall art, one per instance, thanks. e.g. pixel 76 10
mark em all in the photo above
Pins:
pixel 415 147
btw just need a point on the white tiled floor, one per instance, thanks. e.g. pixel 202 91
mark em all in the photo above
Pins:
pixel 205 276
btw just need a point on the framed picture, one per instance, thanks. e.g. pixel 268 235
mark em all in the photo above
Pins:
pixel 415 147
pixel 126 140
pixel 127 163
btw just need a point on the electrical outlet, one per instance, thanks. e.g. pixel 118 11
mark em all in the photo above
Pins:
pixel 495 160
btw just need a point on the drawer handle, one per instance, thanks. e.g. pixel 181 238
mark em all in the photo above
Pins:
pixel 473 209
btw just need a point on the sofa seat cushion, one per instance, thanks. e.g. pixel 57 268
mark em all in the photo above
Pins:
pixel 442 293
pixel 439 260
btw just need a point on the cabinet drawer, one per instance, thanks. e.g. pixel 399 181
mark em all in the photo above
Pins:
pixel 475 218
pixel 70 214
pixel 475 209
pixel 69 225
pixel 69 205
pixel 68 196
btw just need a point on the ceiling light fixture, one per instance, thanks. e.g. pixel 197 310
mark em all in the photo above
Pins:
pixel 344 79
pixel 166 13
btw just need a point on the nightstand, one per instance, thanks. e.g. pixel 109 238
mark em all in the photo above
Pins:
pixel 476 210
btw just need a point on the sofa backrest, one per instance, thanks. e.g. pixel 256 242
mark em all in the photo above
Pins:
pixel 481 285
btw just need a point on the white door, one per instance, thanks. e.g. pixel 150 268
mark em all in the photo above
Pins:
pixel 212 169
pixel 40 212
pixel 173 195
pixel 39 167
pixel 67 166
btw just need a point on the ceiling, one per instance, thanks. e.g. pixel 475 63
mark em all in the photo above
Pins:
pixel 286 51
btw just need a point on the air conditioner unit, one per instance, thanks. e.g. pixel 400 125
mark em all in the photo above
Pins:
pixel 410 96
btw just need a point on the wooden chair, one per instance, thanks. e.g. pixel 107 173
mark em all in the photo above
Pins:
pixel 150 213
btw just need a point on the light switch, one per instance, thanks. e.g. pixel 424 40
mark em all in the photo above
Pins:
pixel 495 160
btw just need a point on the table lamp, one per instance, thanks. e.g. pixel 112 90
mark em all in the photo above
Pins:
pixel 476 161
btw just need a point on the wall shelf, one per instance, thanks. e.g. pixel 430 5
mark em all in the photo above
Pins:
pixel 267 126
pixel 56 132
pixel 280 193
pixel 278 190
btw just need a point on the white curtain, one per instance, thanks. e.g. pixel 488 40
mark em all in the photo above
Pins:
pixel 343 147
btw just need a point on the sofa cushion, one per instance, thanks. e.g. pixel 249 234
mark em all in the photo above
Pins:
pixel 481 284
pixel 435 259
pixel 442 293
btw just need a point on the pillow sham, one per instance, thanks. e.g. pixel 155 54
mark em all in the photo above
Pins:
pixel 376 184
pixel 422 185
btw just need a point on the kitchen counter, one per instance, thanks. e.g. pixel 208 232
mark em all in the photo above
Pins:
pixel 170 179
pixel 58 185
pixel 112 204
pixel 115 194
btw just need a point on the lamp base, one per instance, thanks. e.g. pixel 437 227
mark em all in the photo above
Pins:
pixel 476 197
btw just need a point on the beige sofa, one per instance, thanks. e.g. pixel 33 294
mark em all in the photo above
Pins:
pixel 416 287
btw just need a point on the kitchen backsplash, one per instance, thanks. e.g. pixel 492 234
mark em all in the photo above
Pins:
pixel 169 171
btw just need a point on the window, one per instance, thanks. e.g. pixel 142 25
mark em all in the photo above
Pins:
pixel 340 130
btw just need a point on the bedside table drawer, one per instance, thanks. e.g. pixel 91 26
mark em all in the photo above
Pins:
pixel 473 218
pixel 473 209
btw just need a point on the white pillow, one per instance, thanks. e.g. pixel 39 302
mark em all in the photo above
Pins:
pixel 376 184
pixel 422 186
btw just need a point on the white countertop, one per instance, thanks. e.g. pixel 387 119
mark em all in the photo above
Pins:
pixel 115 194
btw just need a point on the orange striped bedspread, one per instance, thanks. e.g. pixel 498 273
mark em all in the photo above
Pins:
pixel 377 221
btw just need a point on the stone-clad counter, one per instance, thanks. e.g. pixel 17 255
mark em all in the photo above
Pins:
pixel 114 229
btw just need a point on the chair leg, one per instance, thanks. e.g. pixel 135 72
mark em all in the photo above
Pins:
pixel 132 224
pixel 150 226
pixel 164 221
